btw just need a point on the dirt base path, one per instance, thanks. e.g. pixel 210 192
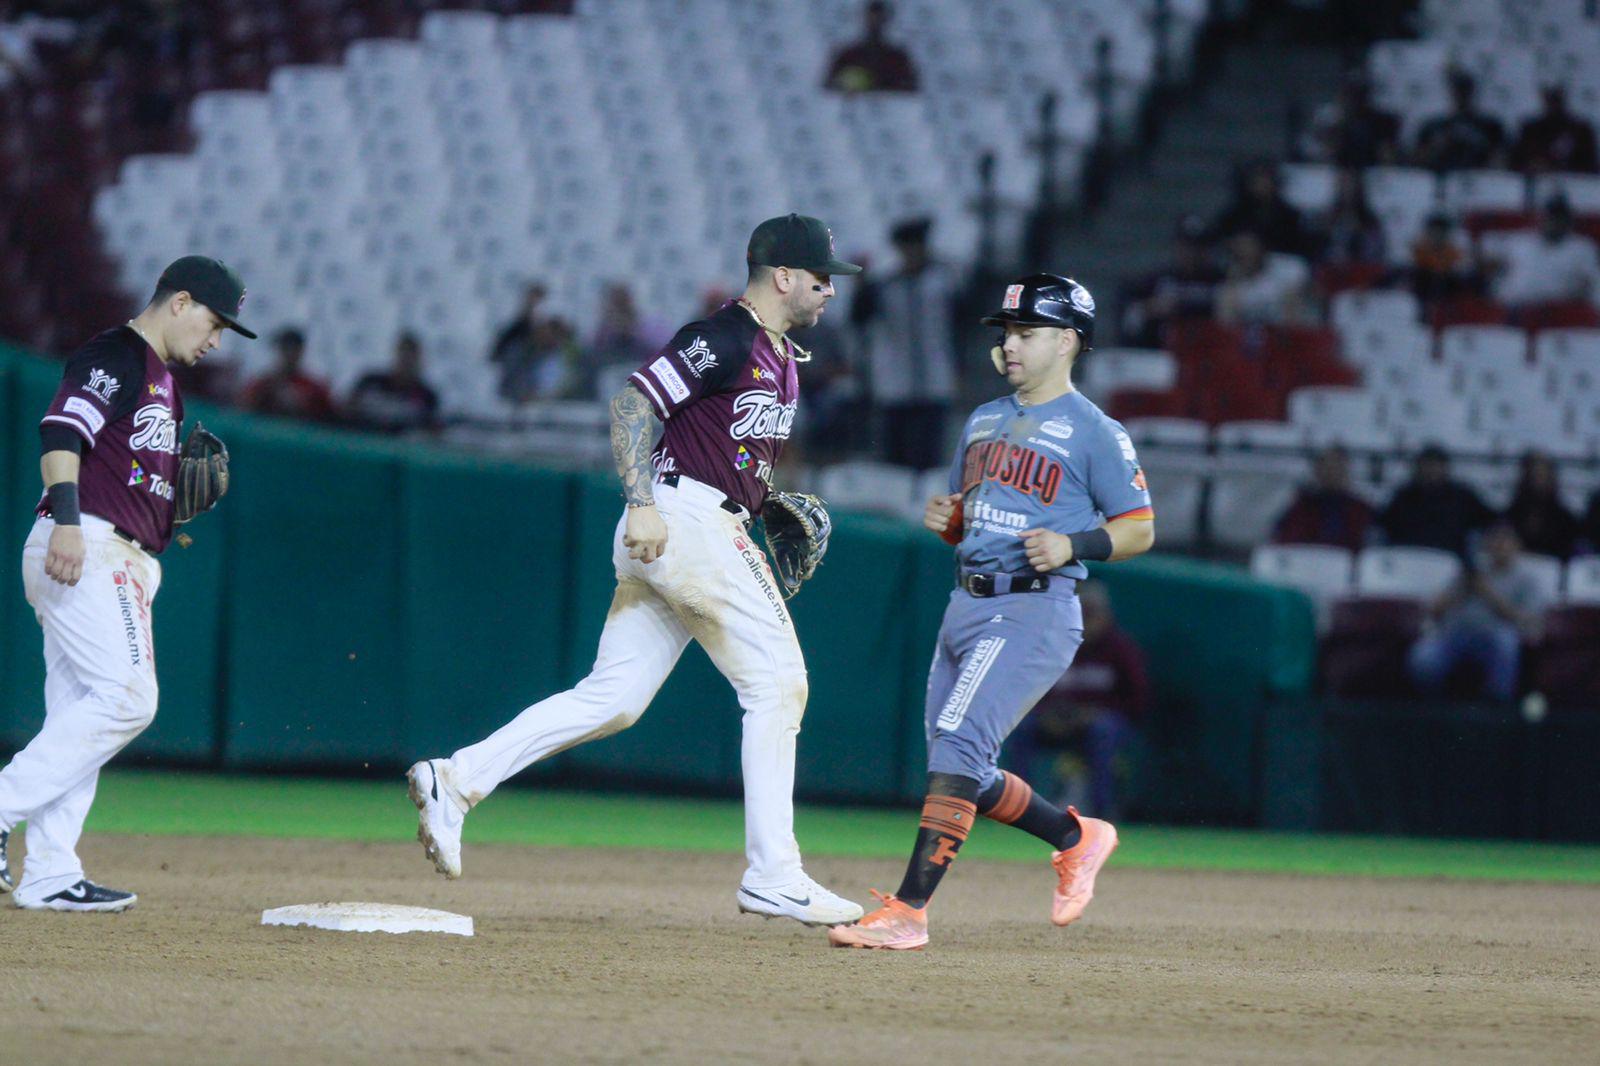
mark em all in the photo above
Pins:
pixel 628 957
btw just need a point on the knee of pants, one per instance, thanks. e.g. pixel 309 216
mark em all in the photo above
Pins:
pixel 784 695
pixel 619 701
pixel 132 707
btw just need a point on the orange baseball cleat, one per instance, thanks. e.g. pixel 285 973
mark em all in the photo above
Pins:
pixel 1077 867
pixel 895 926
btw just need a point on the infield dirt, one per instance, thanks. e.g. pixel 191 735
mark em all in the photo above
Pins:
pixel 622 957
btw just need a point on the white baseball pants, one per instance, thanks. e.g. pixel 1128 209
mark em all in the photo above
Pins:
pixel 712 585
pixel 99 694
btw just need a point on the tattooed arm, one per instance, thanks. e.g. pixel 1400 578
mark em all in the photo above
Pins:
pixel 633 427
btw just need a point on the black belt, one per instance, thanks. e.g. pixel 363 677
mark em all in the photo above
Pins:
pixel 129 537
pixel 726 504
pixel 1001 584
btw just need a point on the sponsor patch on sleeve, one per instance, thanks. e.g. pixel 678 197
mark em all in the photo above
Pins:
pixel 667 375
pixel 1126 444
pixel 88 412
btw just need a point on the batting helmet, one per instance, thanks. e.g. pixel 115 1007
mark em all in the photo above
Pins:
pixel 1045 300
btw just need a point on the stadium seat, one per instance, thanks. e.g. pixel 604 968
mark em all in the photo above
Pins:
pixel 1264 436
pixel 1491 347
pixel 1321 571
pixel 861 485
pixel 1548 572
pixel 1469 191
pixel 1387 343
pixel 1309 187
pixel 1109 370
pixel 1405 573
pixel 1333 407
pixel 1364 650
pixel 1583 580
pixel 1565 667
pixel 1243 505
pixel 1581 190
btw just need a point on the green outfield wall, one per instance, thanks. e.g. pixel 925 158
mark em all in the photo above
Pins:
pixel 354 604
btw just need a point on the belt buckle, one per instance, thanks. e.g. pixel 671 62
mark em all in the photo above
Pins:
pixel 980 584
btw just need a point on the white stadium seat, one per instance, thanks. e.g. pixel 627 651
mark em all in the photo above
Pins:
pixel 1405 573
pixel 1466 191
pixel 1547 572
pixel 1321 571
pixel 1483 346
pixel 1581 190
pixel 1243 506
pixel 868 486
pixel 1583 580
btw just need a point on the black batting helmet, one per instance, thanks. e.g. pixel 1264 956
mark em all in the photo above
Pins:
pixel 1047 300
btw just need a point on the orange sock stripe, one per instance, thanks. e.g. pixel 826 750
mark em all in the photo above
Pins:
pixel 950 816
pixel 1014 799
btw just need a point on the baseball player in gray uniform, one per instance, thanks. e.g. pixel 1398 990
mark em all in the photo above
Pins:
pixel 723 393
pixel 115 485
pixel 1042 480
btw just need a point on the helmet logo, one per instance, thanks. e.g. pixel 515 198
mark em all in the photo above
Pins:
pixel 1013 298
pixel 241 302
pixel 1082 300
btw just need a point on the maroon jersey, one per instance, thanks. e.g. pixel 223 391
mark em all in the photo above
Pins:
pixel 121 400
pixel 728 400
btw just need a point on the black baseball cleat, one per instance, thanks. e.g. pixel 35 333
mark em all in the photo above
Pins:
pixel 84 896
pixel 6 883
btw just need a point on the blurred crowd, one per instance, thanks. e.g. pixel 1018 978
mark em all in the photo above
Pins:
pixel 1262 261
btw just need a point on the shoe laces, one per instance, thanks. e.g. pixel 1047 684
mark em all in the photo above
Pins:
pixel 890 908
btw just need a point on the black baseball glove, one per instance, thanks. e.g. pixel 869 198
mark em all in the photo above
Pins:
pixel 202 474
pixel 798 528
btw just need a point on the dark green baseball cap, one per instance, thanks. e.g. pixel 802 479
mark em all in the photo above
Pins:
pixel 797 241
pixel 211 282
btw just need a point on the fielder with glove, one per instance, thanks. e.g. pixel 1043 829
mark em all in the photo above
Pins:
pixel 724 393
pixel 115 486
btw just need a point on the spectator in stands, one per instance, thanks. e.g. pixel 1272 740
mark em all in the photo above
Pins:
pixel 288 391
pixel 873 64
pixel 1555 139
pixel 1432 510
pixel 1258 205
pixel 1553 265
pixel 1351 232
pixel 1074 741
pixel 1352 132
pixel 538 355
pixel 1184 288
pixel 1483 619
pixel 1463 138
pixel 1326 511
pixel 398 399
pixel 911 349
pixel 621 337
pixel 1542 521
pixel 1441 267
pixel 1262 287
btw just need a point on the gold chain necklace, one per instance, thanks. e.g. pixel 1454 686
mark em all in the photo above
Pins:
pixel 779 340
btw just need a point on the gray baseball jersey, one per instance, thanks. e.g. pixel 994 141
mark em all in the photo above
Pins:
pixel 1062 466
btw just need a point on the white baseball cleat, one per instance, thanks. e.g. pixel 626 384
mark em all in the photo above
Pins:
pixel 439 820
pixel 801 899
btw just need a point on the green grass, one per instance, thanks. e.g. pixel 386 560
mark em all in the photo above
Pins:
pixel 186 804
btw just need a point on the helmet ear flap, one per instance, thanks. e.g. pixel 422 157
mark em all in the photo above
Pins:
pixel 998 357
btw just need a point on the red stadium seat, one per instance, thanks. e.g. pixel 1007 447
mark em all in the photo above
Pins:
pixel 1364 650
pixel 1467 311
pixel 1333 278
pixel 1146 403
pixel 1566 667
pixel 1568 314
pixel 1204 339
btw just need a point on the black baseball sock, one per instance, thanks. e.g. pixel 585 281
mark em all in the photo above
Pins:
pixel 1012 800
pixel 947 817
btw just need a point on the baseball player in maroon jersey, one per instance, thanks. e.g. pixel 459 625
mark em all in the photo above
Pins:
pixel 725 391
pixel 111 470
